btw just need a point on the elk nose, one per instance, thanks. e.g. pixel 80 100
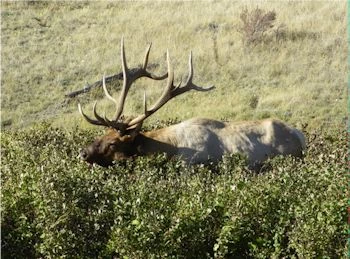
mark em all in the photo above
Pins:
pixel 83 154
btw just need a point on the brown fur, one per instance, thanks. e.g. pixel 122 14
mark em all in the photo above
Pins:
pixel 200 140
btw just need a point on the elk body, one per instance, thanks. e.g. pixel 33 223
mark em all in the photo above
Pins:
pixel 195 140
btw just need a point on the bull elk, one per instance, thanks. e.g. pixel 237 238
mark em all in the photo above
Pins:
pixel 195 140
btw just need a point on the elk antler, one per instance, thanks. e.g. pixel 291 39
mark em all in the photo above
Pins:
pixel 129 76
pixel 170 91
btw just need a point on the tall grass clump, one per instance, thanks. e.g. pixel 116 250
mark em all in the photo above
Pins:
pixel 55 206
pixel 255 24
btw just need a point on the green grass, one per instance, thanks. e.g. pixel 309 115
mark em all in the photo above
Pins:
pixel 52 48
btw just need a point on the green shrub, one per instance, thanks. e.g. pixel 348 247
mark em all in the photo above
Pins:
pixel 53 205
pixel 255 24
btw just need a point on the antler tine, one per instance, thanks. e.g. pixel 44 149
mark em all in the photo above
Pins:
pixel 190 68
pixel 104 119
pixel 129 78
pixel 189 84
pixel 126 83
pixel 145 60
pixel 170 73
pixel 99 118
pixel 144 72
pixel 110 123
pixel 165 97
pixel 106 91
pixel 170 91
pixel 145 102
pixel 98 122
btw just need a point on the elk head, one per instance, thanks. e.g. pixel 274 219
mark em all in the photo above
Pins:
pixel 118 143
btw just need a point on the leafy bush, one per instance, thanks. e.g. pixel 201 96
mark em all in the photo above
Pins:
pixel 53 205
pixel 255 24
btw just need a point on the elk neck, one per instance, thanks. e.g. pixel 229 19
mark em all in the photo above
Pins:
pixel 155 141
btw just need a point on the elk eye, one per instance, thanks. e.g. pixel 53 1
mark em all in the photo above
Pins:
pixel 112 145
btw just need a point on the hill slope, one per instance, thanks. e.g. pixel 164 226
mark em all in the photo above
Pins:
pixel 298 72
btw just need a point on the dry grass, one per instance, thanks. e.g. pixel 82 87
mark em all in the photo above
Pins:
pixel 298 73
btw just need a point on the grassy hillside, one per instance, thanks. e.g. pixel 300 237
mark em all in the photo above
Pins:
pixel 297 73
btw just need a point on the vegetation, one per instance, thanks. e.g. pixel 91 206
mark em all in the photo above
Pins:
pixel 54 206
pixel 297 73
pixel 255 24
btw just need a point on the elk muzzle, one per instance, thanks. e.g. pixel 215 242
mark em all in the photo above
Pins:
pixel 90 157
pixel 83 155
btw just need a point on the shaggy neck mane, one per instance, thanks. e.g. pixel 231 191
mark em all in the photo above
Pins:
pixel 148 143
